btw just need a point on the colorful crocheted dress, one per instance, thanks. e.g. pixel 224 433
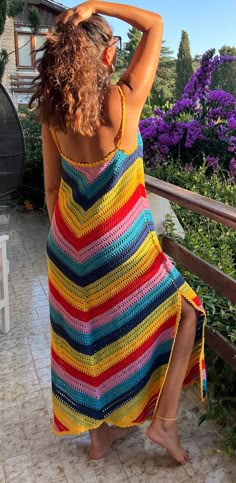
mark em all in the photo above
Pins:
pixel 115 298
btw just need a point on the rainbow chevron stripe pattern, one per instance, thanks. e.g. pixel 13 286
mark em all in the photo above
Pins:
pixel 115 298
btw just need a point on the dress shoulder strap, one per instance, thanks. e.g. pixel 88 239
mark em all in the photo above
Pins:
pixel 123 120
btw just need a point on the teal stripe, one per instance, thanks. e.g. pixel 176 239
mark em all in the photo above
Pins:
pixel 116 323
pixel 176 274
pixel 132 381
pixel 104 178
pixel 148 216
pixel 140 139
pixel 99 182
pixel 108 254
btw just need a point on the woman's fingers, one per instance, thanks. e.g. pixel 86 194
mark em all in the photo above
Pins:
pixel 64 16
pixel 78 14
pixel 77 19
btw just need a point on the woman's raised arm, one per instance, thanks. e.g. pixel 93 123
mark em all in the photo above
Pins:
pixel 141 72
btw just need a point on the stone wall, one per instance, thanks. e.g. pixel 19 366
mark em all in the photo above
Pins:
pixel 7 42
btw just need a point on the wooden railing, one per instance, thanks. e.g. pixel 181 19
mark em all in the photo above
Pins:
pixel 222 283
pixel 22 83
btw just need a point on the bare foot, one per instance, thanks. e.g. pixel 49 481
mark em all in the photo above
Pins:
pixel 164 433
pixel 103 437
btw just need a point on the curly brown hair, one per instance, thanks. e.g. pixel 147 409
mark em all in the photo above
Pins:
pixel 72 76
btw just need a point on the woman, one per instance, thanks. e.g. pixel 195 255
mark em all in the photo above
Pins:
pixel 126 329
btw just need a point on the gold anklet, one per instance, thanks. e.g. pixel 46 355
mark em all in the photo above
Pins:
pixel 166 419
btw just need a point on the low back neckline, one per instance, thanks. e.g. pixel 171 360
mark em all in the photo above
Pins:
pixel 112 153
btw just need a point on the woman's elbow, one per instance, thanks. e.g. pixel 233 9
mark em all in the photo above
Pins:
pixel 51 190
pixel 159 21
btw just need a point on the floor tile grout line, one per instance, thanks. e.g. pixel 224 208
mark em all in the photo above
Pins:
pixel 35 479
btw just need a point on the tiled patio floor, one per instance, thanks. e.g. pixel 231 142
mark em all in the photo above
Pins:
pixel 28 450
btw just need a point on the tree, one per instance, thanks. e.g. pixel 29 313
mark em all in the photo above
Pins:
pixel 3 62
pixel 164 83
pixel 163 89
pixel 134 36
pixel 124 56
pixel 3 15
pixel 121 62
pixel 14 8
pixel 196 61
pixel 34 20
pixel 121 65
pixel 224 78
pixel 184 68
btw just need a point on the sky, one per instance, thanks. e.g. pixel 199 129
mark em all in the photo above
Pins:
pixel 209 23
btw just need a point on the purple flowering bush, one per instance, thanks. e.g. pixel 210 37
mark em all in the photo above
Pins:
pixel 201 126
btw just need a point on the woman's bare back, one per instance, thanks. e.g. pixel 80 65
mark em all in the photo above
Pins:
pixel 84 149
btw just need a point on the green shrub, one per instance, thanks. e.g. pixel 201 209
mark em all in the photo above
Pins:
pixel 34 20
pixel 216 244
pixel 3 14
pixel 3 62
pixel 15 7
pixel 33 184
pixel 221 405
pixel 211 241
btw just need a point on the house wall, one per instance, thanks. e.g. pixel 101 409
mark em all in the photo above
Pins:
pixel 7 42
pixel 47 16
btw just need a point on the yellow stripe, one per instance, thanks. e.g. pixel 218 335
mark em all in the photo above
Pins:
pixel 124 415
pixel 105 206
pixel 82 222
pixel 133 408
pixel 118 350
pixel 106 287
pixel 75 297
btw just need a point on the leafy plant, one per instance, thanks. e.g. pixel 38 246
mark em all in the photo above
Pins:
pixel 15 7
pixel 11 10
pixel 217 244
pixel 3 14
pixel 3 62
pixel 221 405
pixel 211 241
pixel 34 19
pixel 33 183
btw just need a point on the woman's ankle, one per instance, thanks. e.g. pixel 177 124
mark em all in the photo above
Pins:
pixel 163 424
pixel 96 434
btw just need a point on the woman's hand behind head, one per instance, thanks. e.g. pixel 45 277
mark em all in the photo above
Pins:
pixel 77 14
pixel 73 76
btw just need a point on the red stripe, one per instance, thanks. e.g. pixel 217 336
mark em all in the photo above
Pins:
pixel 192 375
pixel 150 405
pixel 114 300
pixel 197 301
pixel 80 242
pixel 119 366
pixel 59 425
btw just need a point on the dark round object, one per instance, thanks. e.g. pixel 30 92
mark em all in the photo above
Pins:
pixel 12 146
